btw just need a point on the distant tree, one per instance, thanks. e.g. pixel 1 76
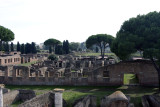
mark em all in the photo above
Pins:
pixel 28 48
pixel 140 34
pixel 6 46
pixel 73 46
pixel 22 49
pixel 50 49
pixel 12 46
pixel 18 47
pixel 82 46
pixel 59 50
pixel 33 48
pixel 97 50
pixel 66 47
pixel 6 35
pixel 52 42
pixel 1 46
pixel 101 40
pixel 53 57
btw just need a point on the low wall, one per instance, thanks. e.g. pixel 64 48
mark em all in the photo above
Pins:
pixel 59 81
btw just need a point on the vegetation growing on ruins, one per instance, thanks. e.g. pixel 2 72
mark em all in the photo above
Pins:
pixel 28 64
pixel 140 34
pixel 101 40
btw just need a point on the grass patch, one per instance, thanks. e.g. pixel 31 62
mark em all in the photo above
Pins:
pixel 72 93
pixel 130 79
pixel 16 104
pixel 28 64
pixel 97 54
pixel 93 54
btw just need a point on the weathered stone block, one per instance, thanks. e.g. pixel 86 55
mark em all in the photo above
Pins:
pixel 26 94
pixel 117 99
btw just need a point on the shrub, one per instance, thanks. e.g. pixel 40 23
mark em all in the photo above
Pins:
pixel 53 57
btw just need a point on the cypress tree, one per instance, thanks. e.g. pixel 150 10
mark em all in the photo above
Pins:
pixel 22 49
pixel 6 46
pixel 18 47
pixel 64 47
pixel 67 47
pixel 28 48
pixel 33 48
pixel 12 46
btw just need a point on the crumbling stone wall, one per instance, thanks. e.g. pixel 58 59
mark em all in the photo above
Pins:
pixel 44 100
pixel 17 95
pixel 102 76
pixel 10 97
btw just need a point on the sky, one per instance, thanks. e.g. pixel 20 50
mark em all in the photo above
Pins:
pixel 73 20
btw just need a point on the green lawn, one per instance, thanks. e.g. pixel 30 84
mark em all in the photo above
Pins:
pixel 130 79
pixel 74 92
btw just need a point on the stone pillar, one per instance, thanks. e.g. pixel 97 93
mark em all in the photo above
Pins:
pixel 89 64
pixel 58 100
pixel 102 63
pixel 7 73
pixel 1 94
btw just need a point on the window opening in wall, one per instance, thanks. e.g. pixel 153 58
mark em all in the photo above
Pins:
pixel 105 73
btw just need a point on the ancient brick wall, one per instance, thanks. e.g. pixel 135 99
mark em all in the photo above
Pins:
pixel 10 60
pixel 103 76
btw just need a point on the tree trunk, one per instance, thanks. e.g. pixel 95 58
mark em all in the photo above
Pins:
pixel 158 71
pixel 101 52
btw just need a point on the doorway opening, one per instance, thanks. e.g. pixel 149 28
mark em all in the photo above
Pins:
pixel 130 79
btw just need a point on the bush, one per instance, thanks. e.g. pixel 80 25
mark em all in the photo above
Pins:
pixel 53 57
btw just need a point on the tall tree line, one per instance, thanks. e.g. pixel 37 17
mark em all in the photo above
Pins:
pixel 66 47
pixel 62 48
pixel 23 48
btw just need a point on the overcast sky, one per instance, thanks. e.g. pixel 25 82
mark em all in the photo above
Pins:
pixel 73 20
